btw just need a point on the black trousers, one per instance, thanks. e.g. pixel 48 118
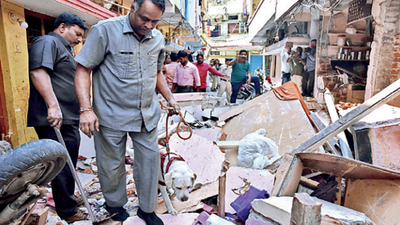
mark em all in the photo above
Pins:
pixel 308 83
pixel 63 185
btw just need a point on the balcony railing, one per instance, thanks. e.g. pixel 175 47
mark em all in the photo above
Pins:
pixel 118 7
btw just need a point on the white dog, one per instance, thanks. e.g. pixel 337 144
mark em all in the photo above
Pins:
pixel 177 177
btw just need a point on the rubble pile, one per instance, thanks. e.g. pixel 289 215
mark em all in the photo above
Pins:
pixel 271 160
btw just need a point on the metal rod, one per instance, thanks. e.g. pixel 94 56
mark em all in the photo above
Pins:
pixel 77 181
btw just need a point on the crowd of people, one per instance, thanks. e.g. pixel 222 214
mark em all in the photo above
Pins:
pixel 299 66
pixel 183 76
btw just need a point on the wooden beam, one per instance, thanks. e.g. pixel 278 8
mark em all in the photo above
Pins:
pixel 386 95
pixel 320 126
pixel 308 182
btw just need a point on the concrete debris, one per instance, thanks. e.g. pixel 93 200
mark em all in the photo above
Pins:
pixel 182 219
pixel 279 209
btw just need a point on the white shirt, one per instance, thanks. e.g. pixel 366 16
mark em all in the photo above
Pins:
pixel 226 71
pixel 285 67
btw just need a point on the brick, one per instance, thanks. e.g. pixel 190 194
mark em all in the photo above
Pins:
pixel 394 65
pixel 397 54
pixel 395 72
pixel 396 59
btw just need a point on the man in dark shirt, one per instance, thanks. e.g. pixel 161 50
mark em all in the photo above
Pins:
pixel 53 101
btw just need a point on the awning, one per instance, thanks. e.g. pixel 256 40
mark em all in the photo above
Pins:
pixel 171 46
pixel 278 47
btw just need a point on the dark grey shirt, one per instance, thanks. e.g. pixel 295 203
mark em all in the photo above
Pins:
pixel 124 74
pixel 53 53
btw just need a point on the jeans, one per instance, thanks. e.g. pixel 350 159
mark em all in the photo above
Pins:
pixel 236 87
pixel 285 77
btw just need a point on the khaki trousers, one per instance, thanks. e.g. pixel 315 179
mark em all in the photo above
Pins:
pixel 225 86
pixel 110 148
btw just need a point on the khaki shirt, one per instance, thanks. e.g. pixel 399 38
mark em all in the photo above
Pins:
pixel 124 74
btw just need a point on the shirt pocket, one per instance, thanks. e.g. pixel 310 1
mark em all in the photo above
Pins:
pixel 126 65
pixel 153 62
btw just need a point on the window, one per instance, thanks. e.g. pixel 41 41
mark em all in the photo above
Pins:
pixel 236 17
pixel 215 53
pixel 233 28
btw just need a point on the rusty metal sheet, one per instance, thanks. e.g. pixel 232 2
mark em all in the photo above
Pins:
pixel 344 167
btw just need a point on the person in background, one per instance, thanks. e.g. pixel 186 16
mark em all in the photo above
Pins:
pixel 309 57
pixel 285 66
pixel 170 69
pixel 241 74
pixel 224 83
pixel 297 67
pixel 186 75
pixel 259 73
pixel 125 82
pixel 203 68
pixel 53 102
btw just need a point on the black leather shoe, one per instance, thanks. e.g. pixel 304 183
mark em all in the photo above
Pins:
pixel 120 213
pixel 149 218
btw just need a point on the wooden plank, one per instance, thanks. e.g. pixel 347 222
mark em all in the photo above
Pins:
pixel 42 217
pixel 344 167
pixel 320 126
pixel 305 210
pixel 308 182
pixel 234 145
pixel 387 94
pixel 287 177
pixel 339 193
pixel 344 145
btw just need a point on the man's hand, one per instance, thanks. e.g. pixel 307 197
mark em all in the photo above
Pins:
pixel 218 85
pixel 88 121
pixel 175 107
pixel 54 116
pixel 248 81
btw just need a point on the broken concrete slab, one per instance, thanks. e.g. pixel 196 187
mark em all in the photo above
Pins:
pixel 305 210
pixel 260 179
pixel 211 134
pixel 286 122
pixel 185 218
pixel 279 210
pixel 202 156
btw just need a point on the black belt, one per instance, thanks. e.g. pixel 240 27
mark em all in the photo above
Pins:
pixel 223 79
pixel 184 86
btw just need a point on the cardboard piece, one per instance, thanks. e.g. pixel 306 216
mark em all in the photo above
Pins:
pixel 260 179
pixel 279 210
pixel 286 122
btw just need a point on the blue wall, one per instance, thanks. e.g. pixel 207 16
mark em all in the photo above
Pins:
pixel 256 61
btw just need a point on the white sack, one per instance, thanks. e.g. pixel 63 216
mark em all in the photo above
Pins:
pixel 257 151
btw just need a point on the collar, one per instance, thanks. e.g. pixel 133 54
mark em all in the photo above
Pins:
pixel 127 28
pixel 187 64
pixel 164 156
pixel 62 40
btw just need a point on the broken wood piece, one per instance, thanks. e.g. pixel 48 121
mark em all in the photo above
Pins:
pixel 305 210
pixel 350 73
pixel 221 195
pixel 308 182
pixel 384 96
pixel 42 217
pixel 344 145
pixel 320 126
pixel 287 177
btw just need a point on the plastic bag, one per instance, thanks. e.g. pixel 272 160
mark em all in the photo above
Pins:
pixel 257 151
